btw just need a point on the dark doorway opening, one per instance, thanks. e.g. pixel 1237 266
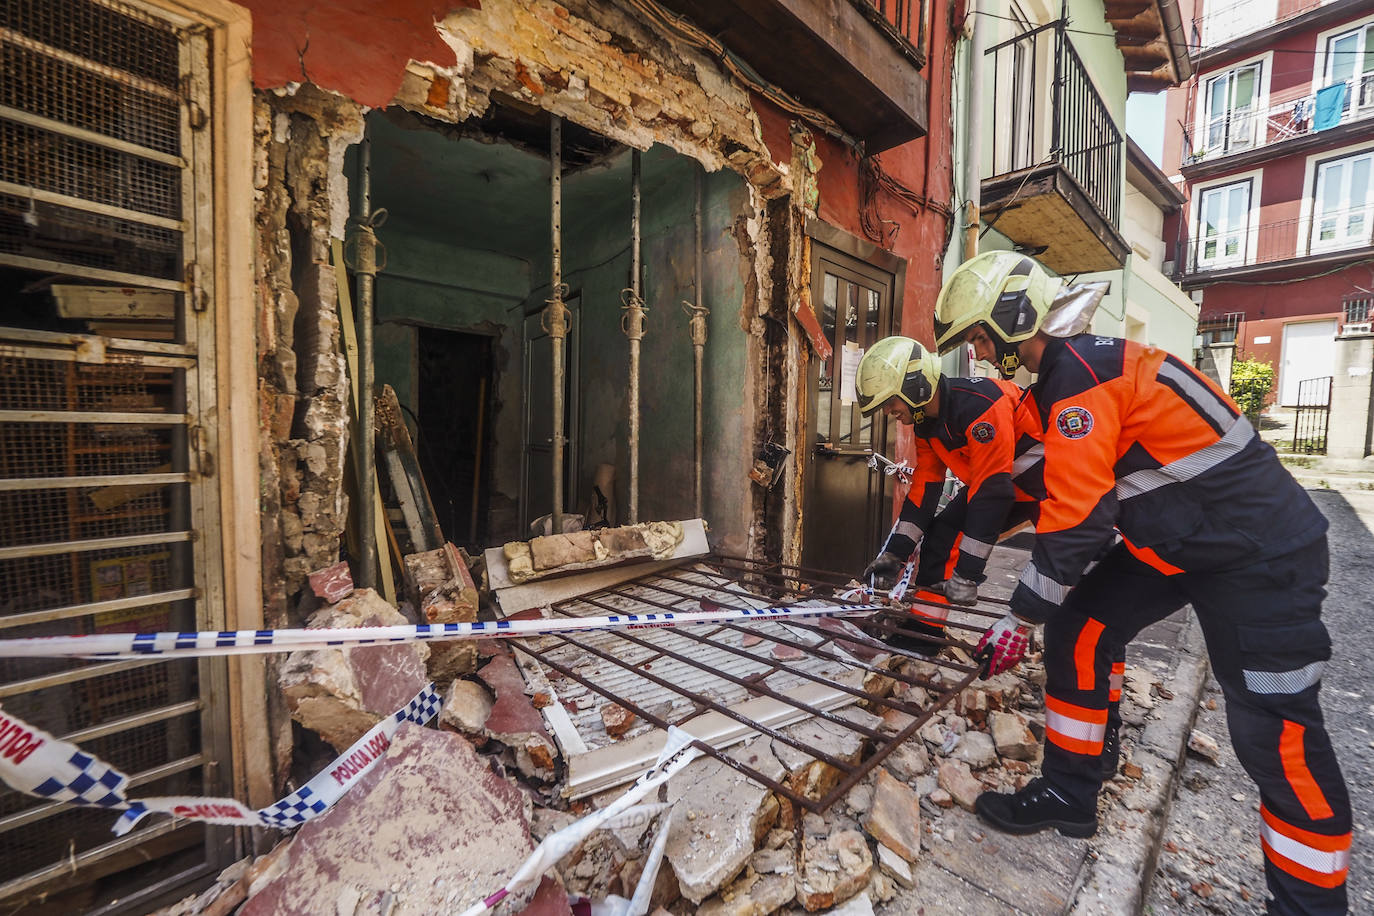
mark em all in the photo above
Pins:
pixel 456 381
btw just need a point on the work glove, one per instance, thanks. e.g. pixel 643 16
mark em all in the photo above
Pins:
pixel 885 565
pixel 1003 645
pixel 960 590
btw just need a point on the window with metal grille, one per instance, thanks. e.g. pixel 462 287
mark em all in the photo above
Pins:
pixel 1357 307
pixel 105 369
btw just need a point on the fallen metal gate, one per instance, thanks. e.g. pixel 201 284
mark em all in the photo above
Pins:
pixel 107 522
pixel 732 682
pixel 1312 420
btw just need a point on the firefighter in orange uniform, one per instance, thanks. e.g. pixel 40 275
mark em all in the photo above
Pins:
pixel 1137 439
pixel 965 425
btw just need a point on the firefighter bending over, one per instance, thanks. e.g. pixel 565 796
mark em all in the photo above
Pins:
pixel 1136 438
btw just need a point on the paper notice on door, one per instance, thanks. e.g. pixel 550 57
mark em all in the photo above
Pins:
pixel 849 367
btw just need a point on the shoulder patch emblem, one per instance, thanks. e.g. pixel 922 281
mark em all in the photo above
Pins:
pixel 983 432
pixel 1074 422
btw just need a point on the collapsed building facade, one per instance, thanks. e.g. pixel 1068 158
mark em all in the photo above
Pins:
pixel 742 195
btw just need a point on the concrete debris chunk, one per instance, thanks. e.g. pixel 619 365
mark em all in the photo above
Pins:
pixel 341 694
pixel 859 905
pixel 813 778
pixel 752 894
pixel 617 719
pixel 333 583
pixel 515 722
pixel 578 550
pixel 956 779
pixel 834 868
pixel 895 866
pixel 466 708
pixel 894 820
pixel 719 817
pixel 1012 736
pixel 908 760
pixel 1204 745
pixel 445 593
pixel 466 836
pixel 976 749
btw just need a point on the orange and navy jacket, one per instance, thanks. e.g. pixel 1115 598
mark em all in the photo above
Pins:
pixel 975 437
pixel 1137 439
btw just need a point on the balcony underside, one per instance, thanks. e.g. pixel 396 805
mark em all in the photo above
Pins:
pixel 1045 207
pixel 830 55
pixel 1283 269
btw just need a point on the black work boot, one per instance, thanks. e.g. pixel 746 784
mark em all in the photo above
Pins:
pixel 1036 807
pixel 1111 751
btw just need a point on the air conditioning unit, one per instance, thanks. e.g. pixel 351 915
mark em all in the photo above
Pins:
pixel 1357 327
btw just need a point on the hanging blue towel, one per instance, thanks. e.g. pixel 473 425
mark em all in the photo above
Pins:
pixel 1330 106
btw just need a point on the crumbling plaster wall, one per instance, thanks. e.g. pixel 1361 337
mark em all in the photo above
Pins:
pixel 301 202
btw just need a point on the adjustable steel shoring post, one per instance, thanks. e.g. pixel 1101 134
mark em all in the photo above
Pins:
pixel 556 314
pixel 366 270
pixel 632 323
pixel 697 326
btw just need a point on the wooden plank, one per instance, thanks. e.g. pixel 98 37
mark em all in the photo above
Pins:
pixel 406 478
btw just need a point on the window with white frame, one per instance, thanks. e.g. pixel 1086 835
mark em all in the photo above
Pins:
pixel 1232 101
pixel 1223 226
pixel 1343 204
pixel 1350 60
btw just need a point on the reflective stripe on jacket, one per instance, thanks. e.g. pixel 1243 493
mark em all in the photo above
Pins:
pixel 1137 439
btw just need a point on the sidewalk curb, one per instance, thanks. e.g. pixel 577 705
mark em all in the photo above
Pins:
pixel 1116 875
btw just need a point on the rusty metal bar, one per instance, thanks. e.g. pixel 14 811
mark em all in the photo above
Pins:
pixel 776 665
pixel 842 788
pixel 707 702
pixel 633 325
pixel 663 724
pixel 675 587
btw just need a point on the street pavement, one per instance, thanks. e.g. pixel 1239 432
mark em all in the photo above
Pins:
pixel 1210 860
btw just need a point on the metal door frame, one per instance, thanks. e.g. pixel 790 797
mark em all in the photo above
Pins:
pixel 869 262
pixel 196 410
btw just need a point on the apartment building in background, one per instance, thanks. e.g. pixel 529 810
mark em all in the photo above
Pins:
pixel 1271 142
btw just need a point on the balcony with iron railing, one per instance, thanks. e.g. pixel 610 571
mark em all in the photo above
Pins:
pixel 1327 237
pixel 1223 28
pixel 859 63
pixel 1291 118
pixel 1056 175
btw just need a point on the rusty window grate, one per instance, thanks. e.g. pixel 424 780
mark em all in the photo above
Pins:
pixel 676 676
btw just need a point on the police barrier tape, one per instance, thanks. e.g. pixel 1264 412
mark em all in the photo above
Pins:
pixel 252 642
pixel 37 763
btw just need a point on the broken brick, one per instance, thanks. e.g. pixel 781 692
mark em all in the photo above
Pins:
pixel 333 583
pixel 617 719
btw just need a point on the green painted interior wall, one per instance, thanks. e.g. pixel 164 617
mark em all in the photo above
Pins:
pixel 468 249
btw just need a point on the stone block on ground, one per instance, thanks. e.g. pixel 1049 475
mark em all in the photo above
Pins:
pixel 908 760
pixel 894 819
pixel 751 894
pixel 1012 735
pixel 834 867
pixel 431 826
pixel 341 694
pixel 466 708
pixel 956 779
pixel 813 778
pixel 445 593
pixel 515 722
pixel 977 750
pixel 718 817
pixel 895 866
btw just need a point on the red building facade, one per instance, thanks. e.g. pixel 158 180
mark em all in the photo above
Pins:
pixel 1272 140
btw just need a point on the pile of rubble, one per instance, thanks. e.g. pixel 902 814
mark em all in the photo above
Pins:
pixel 450 813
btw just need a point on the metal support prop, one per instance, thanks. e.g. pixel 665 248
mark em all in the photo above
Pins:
pixel 366 271
pixel 556 314
pixel 632 323
pixel 697 326
pixel 973 166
